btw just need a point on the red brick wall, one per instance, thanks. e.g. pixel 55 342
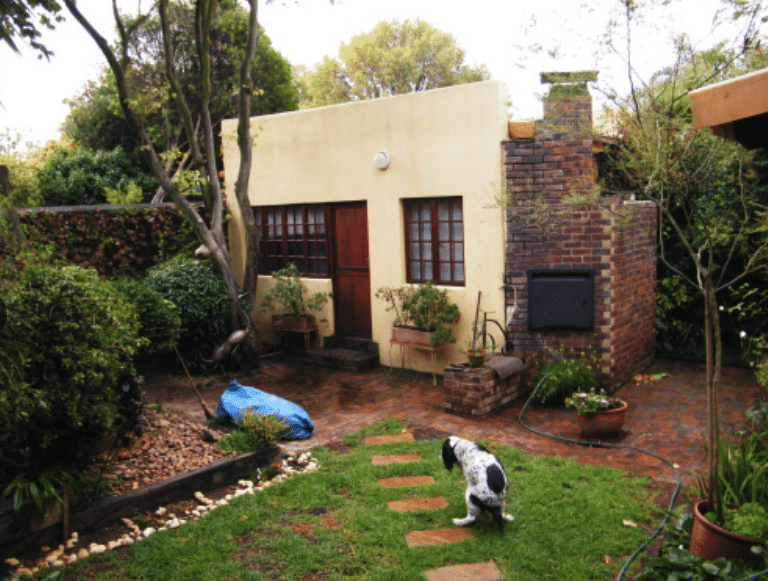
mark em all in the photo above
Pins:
pixel 549 229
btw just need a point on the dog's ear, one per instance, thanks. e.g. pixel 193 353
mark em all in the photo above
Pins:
pixel 447 455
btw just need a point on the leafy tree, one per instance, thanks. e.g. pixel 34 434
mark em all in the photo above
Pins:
pixel 24 18
pixel 22 169
pixel 77 175
pixel 712 207
pixel 211 233
pixel 394 58
pixel 97 121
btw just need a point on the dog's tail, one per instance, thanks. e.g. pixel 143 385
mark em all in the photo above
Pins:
pixel 496 511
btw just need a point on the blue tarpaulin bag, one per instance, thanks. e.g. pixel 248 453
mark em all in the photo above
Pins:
pixel 237 399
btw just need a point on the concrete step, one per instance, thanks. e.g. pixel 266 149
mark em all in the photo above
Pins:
pixel 435 537
pixel 405 481
pixel 487 571
pixel 394 459
pixel 340 358
pixel 414 504
pixel 394 439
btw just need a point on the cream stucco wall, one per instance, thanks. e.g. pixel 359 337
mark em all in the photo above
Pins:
pixel 444 142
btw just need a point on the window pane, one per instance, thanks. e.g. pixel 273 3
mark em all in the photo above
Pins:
pixel 458 252
pixel 443 211
pixel 457 233
pixel 456 212
pixel 416 271
pixel 426 232
pixel 426 212
pixel 413 232
pixel 426 252
pixel 414 251
pixel 427 271
pixel 459 272
pixel 445 254
pixel 445 271
pixel 444 229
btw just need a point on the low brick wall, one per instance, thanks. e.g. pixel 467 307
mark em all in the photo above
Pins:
pixel 479 391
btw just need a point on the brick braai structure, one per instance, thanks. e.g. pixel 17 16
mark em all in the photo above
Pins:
pixel 558 224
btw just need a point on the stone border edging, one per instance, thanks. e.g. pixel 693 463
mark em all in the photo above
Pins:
pixel 218 474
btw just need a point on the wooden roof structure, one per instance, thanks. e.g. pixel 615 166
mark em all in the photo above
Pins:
pixel 735 109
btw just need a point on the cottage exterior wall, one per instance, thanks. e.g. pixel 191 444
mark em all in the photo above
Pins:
pixel 442 143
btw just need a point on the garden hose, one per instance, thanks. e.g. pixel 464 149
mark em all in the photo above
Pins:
pixel 678 482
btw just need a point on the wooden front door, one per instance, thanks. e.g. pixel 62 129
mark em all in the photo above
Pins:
pixel 352 280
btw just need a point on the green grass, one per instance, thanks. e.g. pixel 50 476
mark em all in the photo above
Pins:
pixel 334 524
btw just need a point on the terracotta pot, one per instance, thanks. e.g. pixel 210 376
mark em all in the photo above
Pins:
pixel 411 336
pixel 710 541
pixel 603 422
pixel 476 358
pixel 291 322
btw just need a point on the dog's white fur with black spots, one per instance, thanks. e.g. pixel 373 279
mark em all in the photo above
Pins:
pixel 486 480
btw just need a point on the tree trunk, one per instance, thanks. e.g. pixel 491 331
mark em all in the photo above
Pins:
pixel 213 237
pixel 713 355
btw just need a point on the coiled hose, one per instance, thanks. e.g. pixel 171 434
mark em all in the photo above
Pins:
pixel 678 482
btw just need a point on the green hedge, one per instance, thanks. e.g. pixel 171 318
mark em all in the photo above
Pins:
pixel 65 353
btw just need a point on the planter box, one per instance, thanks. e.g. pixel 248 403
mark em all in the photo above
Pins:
pixel 292 323
pixel 411 336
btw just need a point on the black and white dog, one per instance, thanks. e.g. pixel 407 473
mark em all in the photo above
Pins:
pixel 486 480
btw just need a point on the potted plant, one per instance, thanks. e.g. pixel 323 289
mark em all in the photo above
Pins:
pixel 475 354
pixel 423 314
pixel 290 302
pixel 743 478
pixel 598 413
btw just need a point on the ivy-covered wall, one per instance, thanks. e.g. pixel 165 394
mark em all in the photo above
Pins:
pixel 115 240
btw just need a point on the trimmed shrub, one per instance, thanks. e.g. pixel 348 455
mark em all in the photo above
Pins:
pixel 159 319
pixel 202 299
pixel 65 351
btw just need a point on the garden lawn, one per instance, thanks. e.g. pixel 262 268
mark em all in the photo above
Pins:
pixel 335 524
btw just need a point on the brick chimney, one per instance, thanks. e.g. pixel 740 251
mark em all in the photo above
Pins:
pixel 583 253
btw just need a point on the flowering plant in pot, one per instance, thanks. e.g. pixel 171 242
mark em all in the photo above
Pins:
pixel 590 402
pixel 598 412
pixel 425 308
pixel 475 353
pixel 289 299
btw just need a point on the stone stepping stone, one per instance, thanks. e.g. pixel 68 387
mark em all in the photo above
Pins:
pixel 474 572
pixel 403 481
pixel 413 504
pixel 436 537
pixel 375 440
pixel 399 459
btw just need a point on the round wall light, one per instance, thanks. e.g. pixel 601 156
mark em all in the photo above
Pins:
pixel 381 160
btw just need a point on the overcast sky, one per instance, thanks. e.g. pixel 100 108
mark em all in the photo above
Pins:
pixel 515 42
